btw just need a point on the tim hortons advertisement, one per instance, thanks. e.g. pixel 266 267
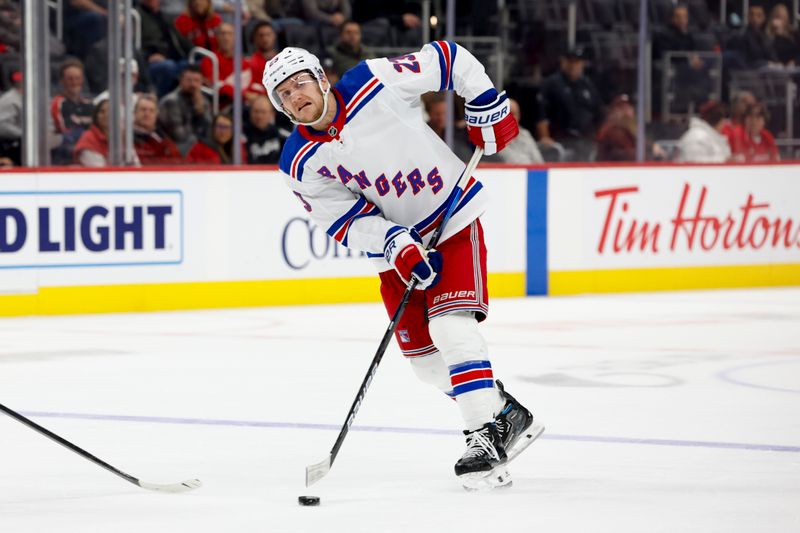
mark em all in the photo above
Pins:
pixel 673 216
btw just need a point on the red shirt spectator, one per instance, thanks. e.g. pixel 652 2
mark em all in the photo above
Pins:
pixel 152 147
pixel 91 150
pixel 218 149
pixel 616 140
pixel 226 36
pixel 265 41
pixel 756 149
pixel 70 109
pixel 198 23
pixel 750 141
pixel 226 76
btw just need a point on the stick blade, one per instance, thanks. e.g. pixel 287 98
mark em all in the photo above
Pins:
pixel 173 488
pixel 318 471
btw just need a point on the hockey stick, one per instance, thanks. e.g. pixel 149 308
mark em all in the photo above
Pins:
pixel 184 486
pixel 317 471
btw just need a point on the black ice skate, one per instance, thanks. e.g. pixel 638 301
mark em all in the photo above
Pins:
pixel 515 425
pixel 482 465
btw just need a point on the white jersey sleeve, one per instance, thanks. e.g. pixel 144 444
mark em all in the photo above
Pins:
pixel 439 66
pixel 344 215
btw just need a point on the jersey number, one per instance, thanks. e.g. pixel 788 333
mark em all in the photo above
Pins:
pixel 408 61
pixel 306 205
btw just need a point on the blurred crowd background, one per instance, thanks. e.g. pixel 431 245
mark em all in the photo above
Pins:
pixel 720 76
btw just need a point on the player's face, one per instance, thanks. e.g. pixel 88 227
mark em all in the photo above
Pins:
pixel 301 97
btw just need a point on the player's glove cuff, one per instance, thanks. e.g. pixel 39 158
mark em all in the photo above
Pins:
pixel 403 250
pixel 490 124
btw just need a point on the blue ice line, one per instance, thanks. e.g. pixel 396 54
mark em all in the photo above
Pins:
pixel 421 431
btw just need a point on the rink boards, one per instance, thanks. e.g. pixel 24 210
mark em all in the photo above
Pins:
pixel 132 240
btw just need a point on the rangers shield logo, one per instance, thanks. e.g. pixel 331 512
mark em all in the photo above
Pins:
pixel 404 337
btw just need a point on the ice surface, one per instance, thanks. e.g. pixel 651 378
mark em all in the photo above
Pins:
pixel 664 412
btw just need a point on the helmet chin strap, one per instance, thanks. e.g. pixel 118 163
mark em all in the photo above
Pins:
pixel 325 93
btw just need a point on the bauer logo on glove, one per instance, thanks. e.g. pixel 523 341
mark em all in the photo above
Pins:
pixel 490 124
pixel 403 250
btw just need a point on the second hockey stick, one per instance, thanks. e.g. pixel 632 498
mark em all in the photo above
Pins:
pixel 183 486
pixel 317 471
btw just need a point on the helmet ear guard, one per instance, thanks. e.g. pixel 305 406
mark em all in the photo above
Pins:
pixel 286 64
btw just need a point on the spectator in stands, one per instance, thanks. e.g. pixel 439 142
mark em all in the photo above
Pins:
pixel 92 147
pixel 751 142
pixel 70 109
pixel 616 140
pixel 348 51
pixel 330 12
pixel 217 148
pixel 185 113
pixel 225 83
pixel 263 138
pixel 523 149
pixel 704 142
pixel 227 10
pixel 163 47
pixel 436 108
pixel 97 69
pixel 740 103
pixel 152 146
pixel 11 120
pixel 10 26
pixel 691 74
pixel 265 42
pixel 198 24
pixel 570 107
pixel 785 39
pixel 758 49
pixel 85 23
pixel 134 81
pixel 280 13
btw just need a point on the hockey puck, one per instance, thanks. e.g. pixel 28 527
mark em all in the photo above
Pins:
pixel 308 500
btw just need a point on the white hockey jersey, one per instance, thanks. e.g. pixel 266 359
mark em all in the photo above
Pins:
pixel 380 165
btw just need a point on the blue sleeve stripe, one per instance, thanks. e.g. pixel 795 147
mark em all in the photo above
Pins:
pixel 371 213
pixel 467 197
pixel 421 226
pixel 301 164
pixel 453 50
pixel 442 65
pixel 353 211
pixel 364 101
pixel 353 80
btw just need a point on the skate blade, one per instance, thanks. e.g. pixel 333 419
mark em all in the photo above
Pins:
pixel 531 434
pixel 484 481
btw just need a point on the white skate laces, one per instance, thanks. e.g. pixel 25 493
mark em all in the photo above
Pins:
pixel 478 443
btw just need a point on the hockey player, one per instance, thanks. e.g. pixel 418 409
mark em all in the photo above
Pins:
pixel 372 174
